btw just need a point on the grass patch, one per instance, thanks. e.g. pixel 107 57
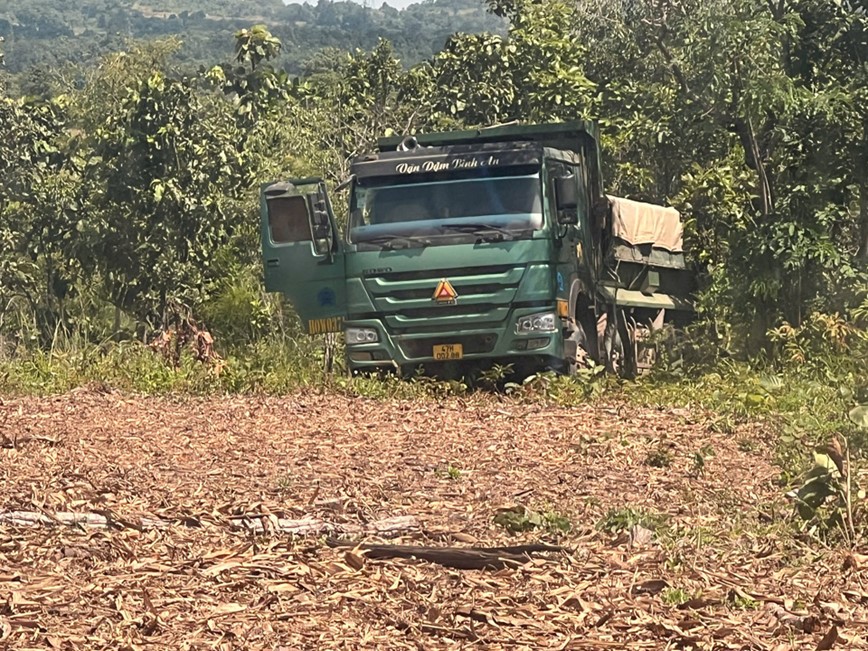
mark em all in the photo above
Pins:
pixel 795 404
pixel 284 483
pixel 449 471
pixel 743 602
pixel 674 596
pixel 272 366
pixel 520 519
pixel 618 520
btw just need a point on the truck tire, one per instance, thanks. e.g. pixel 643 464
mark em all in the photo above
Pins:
pixel 618 344
pixel 582 344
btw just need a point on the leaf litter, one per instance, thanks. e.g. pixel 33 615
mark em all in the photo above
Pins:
pixel 653 557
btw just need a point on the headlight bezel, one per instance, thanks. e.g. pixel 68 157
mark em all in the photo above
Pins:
pixel 536 323
pixel 361 335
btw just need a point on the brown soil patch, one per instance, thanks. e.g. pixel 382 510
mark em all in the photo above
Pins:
pixel 723 540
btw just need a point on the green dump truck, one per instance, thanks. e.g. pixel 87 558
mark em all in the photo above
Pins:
pixel 465 249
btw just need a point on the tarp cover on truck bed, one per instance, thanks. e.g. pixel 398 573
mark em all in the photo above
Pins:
pixel 638 223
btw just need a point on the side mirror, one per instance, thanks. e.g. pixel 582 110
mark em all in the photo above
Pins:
pixel 567 200
pixel 566 193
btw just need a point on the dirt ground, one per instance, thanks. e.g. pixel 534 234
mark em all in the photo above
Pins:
pixel 722 569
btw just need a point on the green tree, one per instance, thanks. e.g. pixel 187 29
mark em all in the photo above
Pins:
pixel 336 116
pixel 164 174
pixel 255 46
pixel 252 82
pixel 484 78
pixel 39 213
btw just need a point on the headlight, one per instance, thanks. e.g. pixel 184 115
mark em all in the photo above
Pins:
pixel 545 322
pixel 361 335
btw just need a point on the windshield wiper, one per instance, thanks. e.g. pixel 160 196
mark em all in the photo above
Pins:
pixel 486 232
pixel 394 242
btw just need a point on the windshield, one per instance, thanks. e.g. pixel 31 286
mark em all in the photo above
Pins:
pixel 438 209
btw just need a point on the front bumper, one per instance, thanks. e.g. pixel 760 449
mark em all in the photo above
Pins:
pixel 481 342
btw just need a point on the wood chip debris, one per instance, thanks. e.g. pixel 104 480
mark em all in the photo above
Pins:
pixel 136 522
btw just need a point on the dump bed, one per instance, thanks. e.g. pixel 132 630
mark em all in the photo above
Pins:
pixel 646 257
pixel 646 233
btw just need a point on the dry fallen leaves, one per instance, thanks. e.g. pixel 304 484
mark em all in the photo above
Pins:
pixel 161 561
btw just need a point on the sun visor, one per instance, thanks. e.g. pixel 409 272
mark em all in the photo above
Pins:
pixel 436 160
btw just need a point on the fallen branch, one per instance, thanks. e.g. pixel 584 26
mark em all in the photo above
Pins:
pixel 461 558
pixel 94 520
pixel 257 524
pixel 387 527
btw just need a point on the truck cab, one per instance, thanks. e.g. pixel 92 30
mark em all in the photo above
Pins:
pixel 467 249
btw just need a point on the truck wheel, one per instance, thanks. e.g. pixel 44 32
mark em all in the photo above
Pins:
pixel 583 341
pixel 627 331
pixel 613 350
pixel 619 345
pixel 578 347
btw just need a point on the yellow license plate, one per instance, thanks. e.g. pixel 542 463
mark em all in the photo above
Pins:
pixel 446 352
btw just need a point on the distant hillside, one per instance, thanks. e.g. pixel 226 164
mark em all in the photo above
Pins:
pixel 42 35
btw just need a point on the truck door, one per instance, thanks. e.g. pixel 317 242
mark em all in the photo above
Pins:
pixel 302 253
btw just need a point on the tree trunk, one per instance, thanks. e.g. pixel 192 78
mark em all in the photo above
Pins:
pixel 754 159
pixel 862 253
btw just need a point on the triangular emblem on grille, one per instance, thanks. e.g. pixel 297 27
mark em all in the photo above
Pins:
pixel 445 292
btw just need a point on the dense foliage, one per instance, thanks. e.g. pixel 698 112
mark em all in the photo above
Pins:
pixel 127 199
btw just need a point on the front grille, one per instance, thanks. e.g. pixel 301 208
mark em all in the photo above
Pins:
pixel 427 275
pixel 443 310
pixel 465 290
pixel 472 344
pixel 412 293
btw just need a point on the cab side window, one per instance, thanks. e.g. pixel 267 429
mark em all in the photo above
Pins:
pixel 288 220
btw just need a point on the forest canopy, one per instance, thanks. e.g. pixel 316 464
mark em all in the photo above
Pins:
pixel 128 191
pixel 44 35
